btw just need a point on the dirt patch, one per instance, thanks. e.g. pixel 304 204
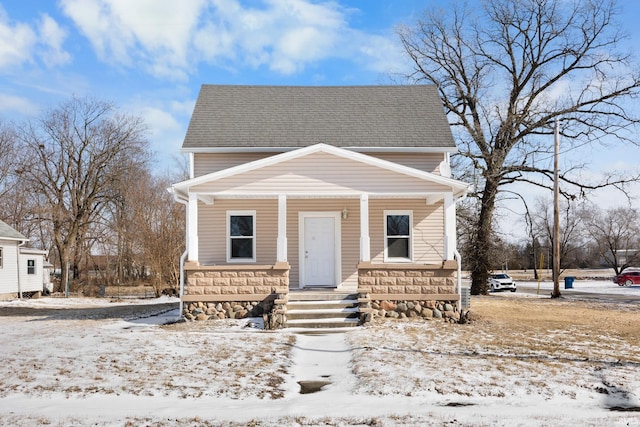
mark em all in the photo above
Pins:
pixel 308 387
pixel 88 311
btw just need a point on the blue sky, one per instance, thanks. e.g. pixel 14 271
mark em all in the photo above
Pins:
pixel 151 56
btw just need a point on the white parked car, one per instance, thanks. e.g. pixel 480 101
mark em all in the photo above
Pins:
pixel 501 282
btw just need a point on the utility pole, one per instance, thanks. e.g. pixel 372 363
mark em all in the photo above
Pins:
pixel 556 214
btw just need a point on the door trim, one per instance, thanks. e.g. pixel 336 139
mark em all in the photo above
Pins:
pixel 337 245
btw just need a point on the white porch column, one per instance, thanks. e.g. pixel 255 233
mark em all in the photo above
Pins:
pixel 365 248
pixel 449 226
pixel 192 224
pixel 282 229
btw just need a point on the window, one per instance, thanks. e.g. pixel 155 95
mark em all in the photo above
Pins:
pixel 31 266
pixel 241 245
pixel 397 236
pixel 0 257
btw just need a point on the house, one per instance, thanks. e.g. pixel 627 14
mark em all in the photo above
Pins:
pixel 22 270
pixel 344 189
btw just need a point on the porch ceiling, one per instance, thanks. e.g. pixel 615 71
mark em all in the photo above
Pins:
pixel 209 197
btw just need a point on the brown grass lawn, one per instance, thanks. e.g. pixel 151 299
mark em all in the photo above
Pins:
pixel 579 320
pixel 513 346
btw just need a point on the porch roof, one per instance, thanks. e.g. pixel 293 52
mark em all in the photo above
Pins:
pixel 320 170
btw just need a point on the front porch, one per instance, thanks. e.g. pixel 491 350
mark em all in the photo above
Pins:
pixel 384 290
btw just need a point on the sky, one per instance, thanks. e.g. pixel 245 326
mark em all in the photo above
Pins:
pixel 150 57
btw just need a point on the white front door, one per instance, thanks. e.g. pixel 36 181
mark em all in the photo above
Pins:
pixel 319 258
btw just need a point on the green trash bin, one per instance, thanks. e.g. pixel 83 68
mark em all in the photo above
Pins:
pixel 568 282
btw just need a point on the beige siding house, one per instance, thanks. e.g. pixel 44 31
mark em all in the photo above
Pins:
pixel 344 189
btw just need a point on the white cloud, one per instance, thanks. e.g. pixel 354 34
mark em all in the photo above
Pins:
pixel 167 122
pixel 169 38
pixel 17 41
pixel 53 36
pixel 160 121
pixel 15 104
pixel 288 34
pixel 153 33
pixel 92 19
pixel 382 54
pixel 21 43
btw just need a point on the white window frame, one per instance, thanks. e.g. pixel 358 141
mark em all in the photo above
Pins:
pixel 31 261
pixel 387 258
pixel 251 213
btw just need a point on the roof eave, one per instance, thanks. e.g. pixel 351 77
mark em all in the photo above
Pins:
pixel 221 150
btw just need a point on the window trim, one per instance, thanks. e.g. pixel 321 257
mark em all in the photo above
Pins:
pixel 387 258
pixel 31 264
pixel 251 213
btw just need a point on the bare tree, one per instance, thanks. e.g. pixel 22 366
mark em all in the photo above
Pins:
pixel 7 158
pixel 72 156
pixel 616 234
pixel 532 246
pixel 162 232
pixel 505 72
pixel 19 207
pixel 571 229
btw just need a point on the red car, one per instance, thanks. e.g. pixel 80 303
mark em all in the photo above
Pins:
pixel 628 278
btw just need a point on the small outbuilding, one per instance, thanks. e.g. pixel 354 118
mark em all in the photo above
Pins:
pixel 21 269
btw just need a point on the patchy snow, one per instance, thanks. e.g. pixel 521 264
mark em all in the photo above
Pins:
pixel 591 286
pixel 600 286
pixel 95 362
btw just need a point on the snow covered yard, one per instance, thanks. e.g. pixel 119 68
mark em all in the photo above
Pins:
pixel 522 361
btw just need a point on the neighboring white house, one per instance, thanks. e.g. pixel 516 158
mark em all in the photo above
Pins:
pixel 21 269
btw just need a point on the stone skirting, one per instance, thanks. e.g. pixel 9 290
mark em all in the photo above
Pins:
pixel 236 292
pixel 407 279
pixel 242 282
pixel 403 291
pixel 235 310
pixel 404 309
pixel 385 290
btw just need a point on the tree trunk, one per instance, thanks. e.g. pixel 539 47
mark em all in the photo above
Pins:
pixel 482 242
pixel 62 257
pixel 535 268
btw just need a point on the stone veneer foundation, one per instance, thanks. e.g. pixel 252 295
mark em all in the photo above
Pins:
pixel 236 291
pixel 245 282
pixel 386 290
pixel 408 290
pixel 429 281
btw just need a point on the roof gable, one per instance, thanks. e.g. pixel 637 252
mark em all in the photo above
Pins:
pixel 241 117
pixel 371 164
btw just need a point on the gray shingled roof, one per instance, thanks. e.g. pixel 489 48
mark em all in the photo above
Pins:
pixel 8 232
pixel 298 116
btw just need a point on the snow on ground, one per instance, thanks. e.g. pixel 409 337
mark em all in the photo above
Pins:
pixel 95 362
pixel 590 286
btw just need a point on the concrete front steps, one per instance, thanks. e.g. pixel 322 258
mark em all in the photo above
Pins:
pixel 322 309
